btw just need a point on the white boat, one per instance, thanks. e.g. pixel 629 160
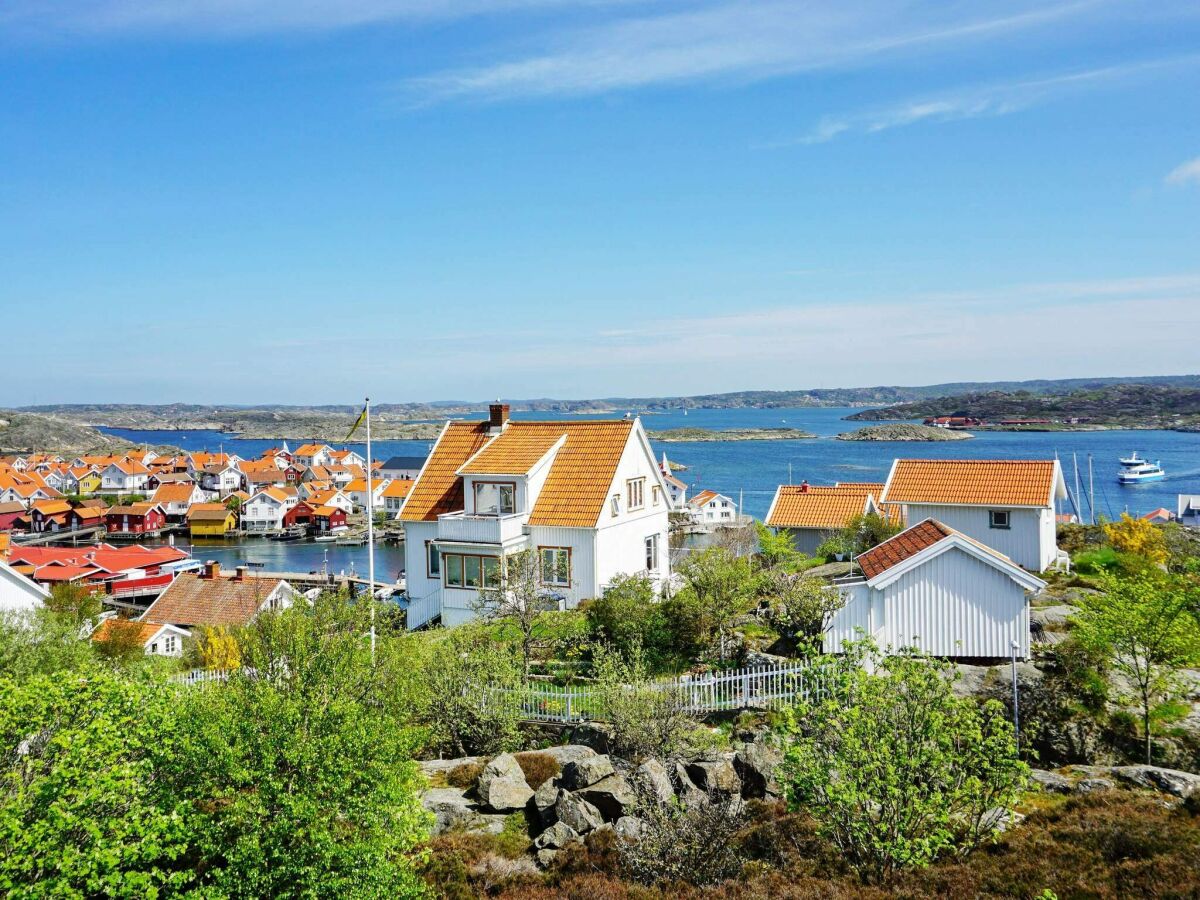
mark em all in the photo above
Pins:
pixel 325 538
pixel 1135 470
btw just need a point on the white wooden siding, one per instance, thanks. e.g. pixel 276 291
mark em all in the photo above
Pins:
pixel 1025 541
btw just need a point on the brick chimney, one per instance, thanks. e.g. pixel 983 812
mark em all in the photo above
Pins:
pixel 212 570
pixel 239 574
pixel 804 487
pixel 498 414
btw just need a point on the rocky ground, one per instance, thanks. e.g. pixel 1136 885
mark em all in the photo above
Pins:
pixel 31 433
pixel 729 434
pixel 904 432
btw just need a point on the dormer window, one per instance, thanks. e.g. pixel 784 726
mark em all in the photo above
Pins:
pixel 494 498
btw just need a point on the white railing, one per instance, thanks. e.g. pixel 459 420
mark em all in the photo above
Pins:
pixel 201 676
pixel 480 529
pixel 760 688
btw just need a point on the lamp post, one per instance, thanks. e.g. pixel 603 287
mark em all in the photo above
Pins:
pixel 1016 697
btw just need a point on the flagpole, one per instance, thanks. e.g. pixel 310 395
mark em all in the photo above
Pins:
pixel 370 530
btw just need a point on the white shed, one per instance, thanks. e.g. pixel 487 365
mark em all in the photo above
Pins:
pixel 937 590
pixel 17 592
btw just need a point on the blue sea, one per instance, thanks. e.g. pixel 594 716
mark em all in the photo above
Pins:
pixel 749 471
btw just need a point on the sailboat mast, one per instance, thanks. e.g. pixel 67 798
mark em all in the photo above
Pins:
pixel 370 530
pixel 1091 490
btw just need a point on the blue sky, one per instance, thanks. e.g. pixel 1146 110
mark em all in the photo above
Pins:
pixel 306 200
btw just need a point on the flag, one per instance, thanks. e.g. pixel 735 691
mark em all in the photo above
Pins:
pixel 362 417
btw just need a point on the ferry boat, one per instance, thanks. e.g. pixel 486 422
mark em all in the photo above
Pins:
pixel 1135 470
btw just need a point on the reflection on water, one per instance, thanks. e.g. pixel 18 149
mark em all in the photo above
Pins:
pixel 297 556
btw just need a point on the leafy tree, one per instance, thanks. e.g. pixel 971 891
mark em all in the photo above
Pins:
pixel 233 503
pixel 122 641
pixel 646 718
pixel 81 811
pixel 800 608
pixel 776 552
pixel 74 601
pixel 217 649
pixel 1138 537
pixel 472 684
pixel 1144 627
pixel 721 586
pixel 519 600
pixel 894 767
pixel 870 530
pixel 40 642
pixel 628 615
pixel 301 765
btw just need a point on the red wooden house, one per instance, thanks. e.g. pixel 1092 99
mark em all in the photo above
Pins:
pixel 327 518
pixel 9 514
pixel 49 515
pixel 135 518
pixel 300 514
pixel 85 517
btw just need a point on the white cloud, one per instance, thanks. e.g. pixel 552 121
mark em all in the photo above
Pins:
pixel 989 100
pixel 739 41
pixel 1185 173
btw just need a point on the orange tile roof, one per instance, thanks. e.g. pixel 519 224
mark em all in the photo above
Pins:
pixel 174 492
pixel 517 449
pixel 811 506
pixel 440 489
pixel 576 488
pixel 972 482
pixel 144 630
pixel 326 511
pixel 398 487
pixel 208 512
pixel 51 507
pixel 192 600
pixel 907 543
pixel 703 497
pixel 309 449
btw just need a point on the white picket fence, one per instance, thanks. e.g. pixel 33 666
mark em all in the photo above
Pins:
pixel 769 687
pixel 758 688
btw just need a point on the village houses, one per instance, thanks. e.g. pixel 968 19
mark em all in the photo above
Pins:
pixel 265 509
pixel 586 498
pixel 711 508
pixel 811 513
pixel 124 476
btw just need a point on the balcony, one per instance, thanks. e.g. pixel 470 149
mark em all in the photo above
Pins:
pixel 480 529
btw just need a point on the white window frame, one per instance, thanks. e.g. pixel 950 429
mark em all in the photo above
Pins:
pixel 616 505
pixel 549 560
pixel 635 491
pixel 652 555
pixel 994 520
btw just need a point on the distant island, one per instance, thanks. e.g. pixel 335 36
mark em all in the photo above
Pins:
pixel 1109 406
pixel 28 433
pixel 673 435
pixel 900 431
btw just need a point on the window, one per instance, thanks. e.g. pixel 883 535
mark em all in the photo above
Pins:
pixel 556 566
pixel 154 647
pixel 495 498
pixel 170 645
pixel 433 560
pixel 998 518
pixel 652 553
pixel 466 571
pixel 636 488
pixel 655 494
pixel 616 504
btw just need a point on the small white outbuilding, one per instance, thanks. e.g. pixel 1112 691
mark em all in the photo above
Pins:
pixel 17 592
pixel 937 590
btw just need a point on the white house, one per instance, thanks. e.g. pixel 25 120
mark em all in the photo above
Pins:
pixel 156 639
pixel 265 510
pixel 124 476
pixel 585 497
pixel 394 495
pixel 224 479
pixel 1007 504
pixel 356 490
pixel 17 592
pixel 1187 509
pixel 406 468
pixel 676 489
pixel 177 497
pixel 309 455
pixel 711 508
pixel 937 590
pixel 213 599
pixel 330 497
pixel 810 513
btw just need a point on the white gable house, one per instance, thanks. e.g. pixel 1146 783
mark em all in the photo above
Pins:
pixel 585 497
pixel 939 591
pixel 1009 505
pixel 265 510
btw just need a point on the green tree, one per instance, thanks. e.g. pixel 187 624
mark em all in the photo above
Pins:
pixel 301 765
pixel 628 615
pixel 776 552
pixel 82 813
pixel 74 601
pixel 800 608
pixel 720 586
pixel 894 767
pixel 40 642
pixel 1143 625
pixel 518 600
pixel 472 684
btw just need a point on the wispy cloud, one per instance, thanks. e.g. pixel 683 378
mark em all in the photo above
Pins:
pixel 738 41
pixel 990 100
pixel 1185 173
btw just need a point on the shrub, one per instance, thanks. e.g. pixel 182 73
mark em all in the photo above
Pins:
pixel 1137 537
pixel 538 768
pixel 897 769
pixel 692 844
pixel 465 776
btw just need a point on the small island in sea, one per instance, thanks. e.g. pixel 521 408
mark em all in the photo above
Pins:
pixel 900 431
pixel 675 435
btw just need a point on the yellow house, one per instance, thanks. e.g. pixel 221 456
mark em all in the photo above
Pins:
pixel 89 482
pixel 210 520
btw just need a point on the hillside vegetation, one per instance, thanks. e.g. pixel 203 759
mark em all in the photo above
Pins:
pixel 1115 405
pixel 27 433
